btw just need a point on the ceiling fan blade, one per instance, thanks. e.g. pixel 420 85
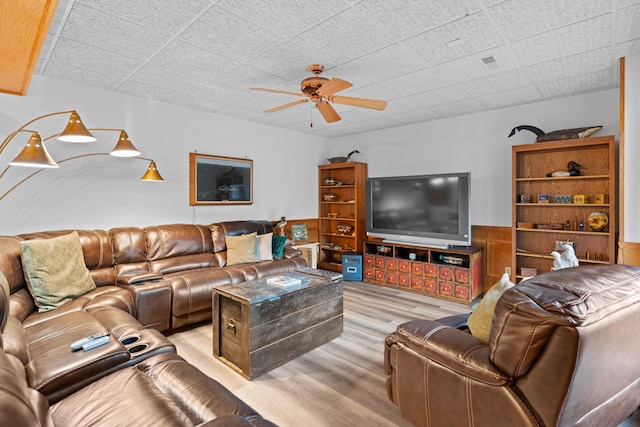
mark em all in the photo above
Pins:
pixel 327 111
pixel 334 85
pixel 276 91
pixel 373 104
pixel 282 107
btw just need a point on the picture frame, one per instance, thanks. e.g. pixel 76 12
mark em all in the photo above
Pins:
pixel 220 180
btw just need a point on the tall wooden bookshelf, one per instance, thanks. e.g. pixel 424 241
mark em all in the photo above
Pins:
pixel 537 225
pixel 341 212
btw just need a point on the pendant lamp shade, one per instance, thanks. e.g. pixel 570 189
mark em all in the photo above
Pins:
pixel 124 147
pixel 152 173
pixel 76 130
pixel 34 155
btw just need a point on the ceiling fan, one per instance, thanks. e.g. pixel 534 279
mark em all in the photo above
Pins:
pixel 321 91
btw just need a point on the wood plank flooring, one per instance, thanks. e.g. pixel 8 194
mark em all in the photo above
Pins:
pixel 341 383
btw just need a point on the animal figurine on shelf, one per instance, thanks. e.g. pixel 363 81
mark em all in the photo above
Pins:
pixel 343 159
pixel 573 169
pixel 280 225
pixel 566 259
pixel 555 135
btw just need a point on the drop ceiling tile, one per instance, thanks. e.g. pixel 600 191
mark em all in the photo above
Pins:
pixel 440 96
pixel 519 19
pixel 625 3
pixel 629 48
pixel 163 16
pixel 343 38
pixel 402 105
pixel 565 67
pixel 224 94
pixel 226 34
pixel 245 76
pixel 416 116
pixel 414 16
pixel 92 58
pixel 288 61
pixel 584 36
pixel 466 106
pixel 105 31
pixel 474 32
pixel 285 17
pixel 203 104
pixel 150 92
pixel 240 113
pixel 628 23
pixel 509 98
pixel 192 60
pixel 153 75
pixel 502 82
pixel 579 84
pixel 388 62
pixel 62 71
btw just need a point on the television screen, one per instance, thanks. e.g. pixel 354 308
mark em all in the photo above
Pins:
pixel 427 209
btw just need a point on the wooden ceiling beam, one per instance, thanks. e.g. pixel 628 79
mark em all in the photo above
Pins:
pixel 23 29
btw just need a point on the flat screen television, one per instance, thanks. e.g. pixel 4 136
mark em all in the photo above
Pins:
pixel 425 210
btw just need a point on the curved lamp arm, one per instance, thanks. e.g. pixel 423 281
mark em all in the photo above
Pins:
pixel 152 173
pixel 75 131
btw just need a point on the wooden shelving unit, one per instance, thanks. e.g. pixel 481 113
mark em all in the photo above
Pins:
pixel 453 274
pixel 345 209
pixel 532 247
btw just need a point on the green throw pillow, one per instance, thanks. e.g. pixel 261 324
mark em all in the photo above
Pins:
pixel 55 270
pixel 241 249
pixel 480 320
pixel 278 243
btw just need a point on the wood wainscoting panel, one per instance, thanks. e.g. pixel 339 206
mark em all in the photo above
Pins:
pixel 312 228
pixel 629 253
pixel 496 242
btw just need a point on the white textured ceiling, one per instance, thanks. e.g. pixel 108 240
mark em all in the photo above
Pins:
pixel 206 54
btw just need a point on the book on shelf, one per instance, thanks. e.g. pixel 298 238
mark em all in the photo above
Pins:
pixel 283 281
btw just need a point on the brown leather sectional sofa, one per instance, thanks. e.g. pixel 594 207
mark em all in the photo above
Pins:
pixel 147 280
pixel 563 351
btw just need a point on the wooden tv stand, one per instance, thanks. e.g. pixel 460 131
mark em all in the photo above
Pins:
pixel 453 274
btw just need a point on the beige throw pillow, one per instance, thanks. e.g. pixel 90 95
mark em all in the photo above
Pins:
pixel 480 320
pixel 241 249
pixel 263 247
pixel 55 270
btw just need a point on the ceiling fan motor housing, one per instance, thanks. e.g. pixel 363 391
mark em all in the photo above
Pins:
pixel 310 85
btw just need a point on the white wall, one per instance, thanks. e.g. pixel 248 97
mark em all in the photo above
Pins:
pixel 104 192
pixel 631 149
pixel 478 143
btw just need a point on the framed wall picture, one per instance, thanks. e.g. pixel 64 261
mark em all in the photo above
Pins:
pixel 217 180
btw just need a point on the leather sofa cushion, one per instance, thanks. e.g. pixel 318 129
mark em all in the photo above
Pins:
pixel 164 390
pixel 172 240
pixel 104 296
pixel 129 245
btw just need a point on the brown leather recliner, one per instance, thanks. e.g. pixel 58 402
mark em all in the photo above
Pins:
pixel 564 350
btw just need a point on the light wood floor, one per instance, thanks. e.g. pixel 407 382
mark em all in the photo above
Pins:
pixel 341 383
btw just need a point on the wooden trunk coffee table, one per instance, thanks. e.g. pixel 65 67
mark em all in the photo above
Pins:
pixel 258 326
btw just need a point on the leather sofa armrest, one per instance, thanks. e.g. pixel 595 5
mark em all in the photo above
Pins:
pixel 458 321
pixel 290 252
pixel 137 277
pixel 237 421
pixel 452 348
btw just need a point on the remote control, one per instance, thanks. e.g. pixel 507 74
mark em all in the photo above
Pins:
pixel 77 345
pixel 96 343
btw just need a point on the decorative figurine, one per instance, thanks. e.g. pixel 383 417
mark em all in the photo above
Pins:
pixel 280 224
pixel 566 259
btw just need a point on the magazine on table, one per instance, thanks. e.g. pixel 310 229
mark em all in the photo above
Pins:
pixel 283 281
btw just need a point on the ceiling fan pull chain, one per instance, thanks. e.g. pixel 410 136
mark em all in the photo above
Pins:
pixel 311 115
